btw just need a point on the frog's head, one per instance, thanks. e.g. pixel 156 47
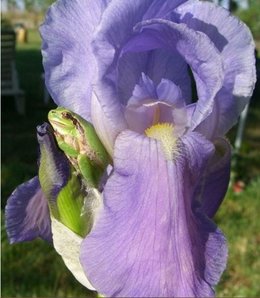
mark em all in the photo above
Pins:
pixel 74 135
pixel 62 121
pixel 67 130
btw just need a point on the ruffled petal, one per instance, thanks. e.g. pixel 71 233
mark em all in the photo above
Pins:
pixel 151 104
pixel 27 214
pixel 67 59
pixel 236 46
pixel 199 53
pixel 108 121
pixel 149 241
pixel 157 64
pixel 111 36
pixel 145 90
pixel 114 30
pixel 170 92
pixel 138 114
pixel 216 177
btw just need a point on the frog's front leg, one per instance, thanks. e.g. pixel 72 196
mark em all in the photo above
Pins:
pixel 90 173
pixel 65 147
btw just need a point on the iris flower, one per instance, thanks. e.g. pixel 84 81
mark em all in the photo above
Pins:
pixel 130 68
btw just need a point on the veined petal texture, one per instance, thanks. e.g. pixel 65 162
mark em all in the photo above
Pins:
pixel 198 52
pixel 93 61
pixel 214 183
pixel 234 41
pixel 27 214
pixel 67 59
pixel 150 240
pixel 132 65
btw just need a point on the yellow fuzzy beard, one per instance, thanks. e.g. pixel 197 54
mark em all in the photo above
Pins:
pixel 164 132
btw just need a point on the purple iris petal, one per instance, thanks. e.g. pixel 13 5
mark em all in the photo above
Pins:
pixel 166 91
pixel 68 61
pixel 27 214
pixel 110 36
pixel 197 49
pixel 107 44
pixel 157 64
pixel 138 114
pixel 150 103
pixel 143 91
pixel 216 177
pixel 199 52
pixel 172 93
pixel 116 53
pixel 104 120
pixel 234 41
pixel 149 240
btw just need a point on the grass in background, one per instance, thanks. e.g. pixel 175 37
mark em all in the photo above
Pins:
pixel 238 218
pixel 34 269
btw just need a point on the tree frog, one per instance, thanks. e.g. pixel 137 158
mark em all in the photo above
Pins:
pixel 77 138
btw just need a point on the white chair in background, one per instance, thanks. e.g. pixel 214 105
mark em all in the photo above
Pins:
pixel 9 75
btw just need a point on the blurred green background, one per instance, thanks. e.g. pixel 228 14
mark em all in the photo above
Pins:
pixel 33 269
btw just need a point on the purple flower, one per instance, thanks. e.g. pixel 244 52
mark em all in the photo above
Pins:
pixel 128 67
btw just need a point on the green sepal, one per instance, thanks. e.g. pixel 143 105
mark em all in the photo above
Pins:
pixel 70 202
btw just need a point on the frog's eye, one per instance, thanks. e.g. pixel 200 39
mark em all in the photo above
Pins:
pixel 68 116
